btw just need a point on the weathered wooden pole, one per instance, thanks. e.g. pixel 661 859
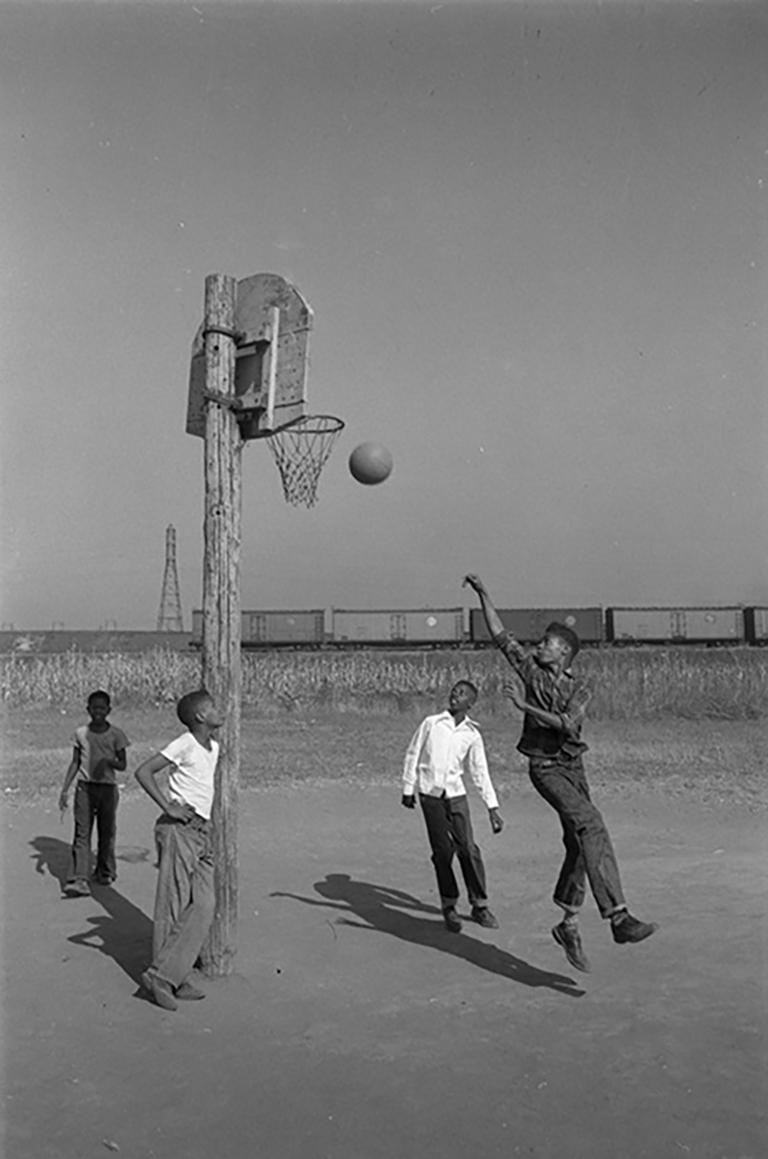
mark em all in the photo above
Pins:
pixel 221 605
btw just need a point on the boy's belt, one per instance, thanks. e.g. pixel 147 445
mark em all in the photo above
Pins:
pixel 550 762
pixel 199 822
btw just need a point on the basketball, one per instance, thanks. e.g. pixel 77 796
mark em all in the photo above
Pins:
pixel 370 463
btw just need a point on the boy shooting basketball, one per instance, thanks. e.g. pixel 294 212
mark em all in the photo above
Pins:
pixel 443 747
pixel 554 704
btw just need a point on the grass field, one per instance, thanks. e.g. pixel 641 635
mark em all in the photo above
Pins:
pixel 673 720
pixel 678 720
pixel 708 760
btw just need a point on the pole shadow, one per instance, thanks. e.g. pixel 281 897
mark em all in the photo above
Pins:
pixel 387 910
pixel 123 932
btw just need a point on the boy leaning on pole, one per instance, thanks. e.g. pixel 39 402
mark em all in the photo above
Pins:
pixel 185 896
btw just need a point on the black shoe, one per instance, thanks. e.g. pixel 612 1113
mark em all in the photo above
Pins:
pixel 483 916
pixel 569 938
pixel 625 928
pixel 102 879
pixel 452 920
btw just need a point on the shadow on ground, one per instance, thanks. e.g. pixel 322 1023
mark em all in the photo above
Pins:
pixel 386 910
pixel 123 932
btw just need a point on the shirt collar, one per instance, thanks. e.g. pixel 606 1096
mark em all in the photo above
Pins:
pixel 446 715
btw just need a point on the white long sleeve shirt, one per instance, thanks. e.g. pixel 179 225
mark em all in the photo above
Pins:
pixel 439 754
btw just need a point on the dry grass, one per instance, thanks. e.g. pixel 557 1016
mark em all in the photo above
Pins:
pixel 629 684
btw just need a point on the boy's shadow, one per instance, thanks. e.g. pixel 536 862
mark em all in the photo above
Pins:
pixel 381 908
pixel 123 932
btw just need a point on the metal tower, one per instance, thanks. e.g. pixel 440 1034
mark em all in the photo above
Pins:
pixel 169 617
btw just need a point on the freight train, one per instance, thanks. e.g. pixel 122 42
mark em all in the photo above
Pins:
pixel 456 628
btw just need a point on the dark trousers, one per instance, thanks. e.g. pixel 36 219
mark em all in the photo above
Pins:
pixel 589 853
pixel 95 802
pixel 449 829
pixel 185 900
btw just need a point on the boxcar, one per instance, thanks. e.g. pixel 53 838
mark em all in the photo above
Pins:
pixel 675 625
pixel 756 625
pixel 529 624
pixel 439 627
pixel 273 629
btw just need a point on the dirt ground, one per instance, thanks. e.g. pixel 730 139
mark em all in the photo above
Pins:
pixel 356 1027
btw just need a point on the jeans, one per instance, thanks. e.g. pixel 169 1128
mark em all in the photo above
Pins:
pixel 185 900
pixel 449 829
pixel 588 850
pixel 97 802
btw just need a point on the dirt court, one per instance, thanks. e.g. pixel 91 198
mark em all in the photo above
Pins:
pixel 356 1027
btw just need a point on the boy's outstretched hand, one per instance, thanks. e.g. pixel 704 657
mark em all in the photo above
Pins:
pixel 408 801
pixel 474 581
pixel 63 802
pixel 497 821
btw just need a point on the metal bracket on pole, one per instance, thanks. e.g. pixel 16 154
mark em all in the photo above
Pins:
pixel 236 335
pixel 227 400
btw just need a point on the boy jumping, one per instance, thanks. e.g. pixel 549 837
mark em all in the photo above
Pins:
pixel 554 704
pixel 185 899
pixel 443 747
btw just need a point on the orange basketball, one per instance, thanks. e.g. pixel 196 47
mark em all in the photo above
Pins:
pixel 370 463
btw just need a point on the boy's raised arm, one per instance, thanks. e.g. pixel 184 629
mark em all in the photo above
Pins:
pixel 493 621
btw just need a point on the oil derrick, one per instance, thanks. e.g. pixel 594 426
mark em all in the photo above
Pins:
pixel 169 617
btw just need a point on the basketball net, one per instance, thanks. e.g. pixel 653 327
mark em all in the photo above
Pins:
pixel 301 450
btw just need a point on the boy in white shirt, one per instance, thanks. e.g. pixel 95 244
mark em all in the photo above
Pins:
pixel 442 749
pixel 185 898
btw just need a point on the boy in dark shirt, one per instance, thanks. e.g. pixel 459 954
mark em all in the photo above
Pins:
pixel 98 752
pixel 554 704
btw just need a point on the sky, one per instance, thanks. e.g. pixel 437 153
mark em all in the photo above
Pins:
pixel 534 239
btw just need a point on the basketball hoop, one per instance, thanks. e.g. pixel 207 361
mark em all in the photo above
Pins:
pixel 301 450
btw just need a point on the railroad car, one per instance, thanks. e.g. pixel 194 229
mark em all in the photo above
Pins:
pixel 756 625
pixel 529 624
pixel 439 627
pixel 675 625
pixel 275 629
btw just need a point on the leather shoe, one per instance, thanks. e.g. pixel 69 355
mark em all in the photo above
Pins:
pixel 160 991
pixel 452 920
pixel 625 928
pixel 483 916
pixel 189 993
pixel 569 938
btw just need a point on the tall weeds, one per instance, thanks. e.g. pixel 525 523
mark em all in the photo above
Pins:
pixel 627 683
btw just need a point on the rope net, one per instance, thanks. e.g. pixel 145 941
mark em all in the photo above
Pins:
pixel 301 451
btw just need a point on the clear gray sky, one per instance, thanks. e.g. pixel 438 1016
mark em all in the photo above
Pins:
pixel 534 239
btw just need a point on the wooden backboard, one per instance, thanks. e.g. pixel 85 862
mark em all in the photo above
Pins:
pixel 273 322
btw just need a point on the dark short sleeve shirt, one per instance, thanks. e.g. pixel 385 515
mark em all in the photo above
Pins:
pixel 93 747
pixel 562 695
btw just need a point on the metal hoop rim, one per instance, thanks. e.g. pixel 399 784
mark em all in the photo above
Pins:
pixel 335 425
